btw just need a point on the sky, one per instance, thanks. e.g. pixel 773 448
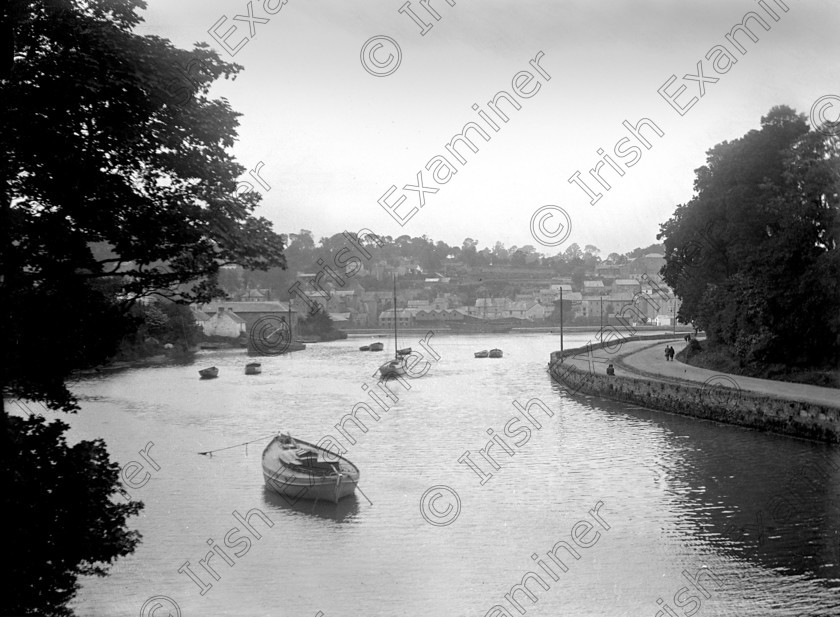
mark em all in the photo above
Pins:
pixel 334 136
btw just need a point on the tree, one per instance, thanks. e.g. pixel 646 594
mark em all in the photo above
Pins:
pixel 319 323
pixel 568 312
pixel 95 150
pixel 500 255
pixel 754 254
pixel 469 253
pixel 100 148
pixel 573 252
pixel 67 525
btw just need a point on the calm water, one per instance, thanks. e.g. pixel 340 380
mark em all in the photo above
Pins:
pixel 678 495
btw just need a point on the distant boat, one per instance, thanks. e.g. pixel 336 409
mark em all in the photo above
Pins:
pixel 209 373
pixel 377 346
pixel 482 354
pixel 253 368
pixel 364 348
pixel 302 470
pixel 495 353
pixel 406 351
pixel 395 367
pixel 307 341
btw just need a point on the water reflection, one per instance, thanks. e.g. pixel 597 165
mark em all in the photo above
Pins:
pixel 680 494
pixel 342 512
pixel 774 502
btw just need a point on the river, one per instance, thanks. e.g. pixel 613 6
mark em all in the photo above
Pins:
pixel 653 499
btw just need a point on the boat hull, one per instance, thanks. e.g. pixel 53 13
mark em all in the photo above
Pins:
pixel 253 369
pixel 296 483
pixel 295 489
pixel 392 369
pixel 209 373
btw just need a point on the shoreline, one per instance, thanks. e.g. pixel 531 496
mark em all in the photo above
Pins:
pixel 358 332
pixel 713 399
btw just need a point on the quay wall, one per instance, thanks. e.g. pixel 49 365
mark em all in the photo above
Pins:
pixel 710 401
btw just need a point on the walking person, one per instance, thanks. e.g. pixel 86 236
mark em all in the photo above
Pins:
pixel 671 353
pixel 667 353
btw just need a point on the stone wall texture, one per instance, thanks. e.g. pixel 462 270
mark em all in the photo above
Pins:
pixel 711 401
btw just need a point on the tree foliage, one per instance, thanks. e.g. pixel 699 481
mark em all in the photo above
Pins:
pixel 101 146
pixel 68 520
pixel 754 254
pixel 98 149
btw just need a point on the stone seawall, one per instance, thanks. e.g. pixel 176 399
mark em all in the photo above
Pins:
pixel 710 401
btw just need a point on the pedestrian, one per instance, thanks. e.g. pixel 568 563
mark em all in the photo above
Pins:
pixel 667 353
pixel 671 354
pixel 610 370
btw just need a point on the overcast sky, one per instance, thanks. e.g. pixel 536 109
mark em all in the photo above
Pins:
pixel 335 138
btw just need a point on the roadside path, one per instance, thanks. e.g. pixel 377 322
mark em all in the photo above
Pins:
pixel 646 359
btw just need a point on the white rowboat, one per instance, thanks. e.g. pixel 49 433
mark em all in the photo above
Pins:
pixel 300 470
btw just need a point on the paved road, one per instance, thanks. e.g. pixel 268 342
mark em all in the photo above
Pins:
pixel 646 359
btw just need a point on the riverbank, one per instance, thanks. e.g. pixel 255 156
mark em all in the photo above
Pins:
pixel 643 377
pixel 721 358
pixel 548 329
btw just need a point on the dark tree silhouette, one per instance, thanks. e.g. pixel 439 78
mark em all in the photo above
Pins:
pixel 754 255
pixel 108 140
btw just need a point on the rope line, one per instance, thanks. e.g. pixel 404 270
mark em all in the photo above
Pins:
pixel 244 443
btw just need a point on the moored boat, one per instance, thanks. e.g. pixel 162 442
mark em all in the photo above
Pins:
pixel 393 368
pixel 482 354
pixel 301 470
pixel 364 348
pixel 404 352
pixel 253 368
pixel 495 353
pixel 377 346
pixel 209 373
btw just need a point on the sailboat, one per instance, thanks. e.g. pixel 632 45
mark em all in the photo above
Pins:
pixel 395 367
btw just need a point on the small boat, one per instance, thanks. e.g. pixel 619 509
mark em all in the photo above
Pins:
pixel 253 368
pixel 482 354
pixel 301 470
pixel 364 348
pixel 307 341
pixel 393 368
pixel 209 373
pixel 495 353
pixel 377 346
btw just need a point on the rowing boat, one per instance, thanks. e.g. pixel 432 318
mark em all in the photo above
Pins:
pixel 300 470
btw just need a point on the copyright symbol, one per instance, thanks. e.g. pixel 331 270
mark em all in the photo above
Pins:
pixel 435 515
pixel 720 391
pixel 548 237
pixel 371 55
pixel 151 606
pixel 819 119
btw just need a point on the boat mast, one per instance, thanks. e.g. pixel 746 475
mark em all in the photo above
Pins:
pixel 396 347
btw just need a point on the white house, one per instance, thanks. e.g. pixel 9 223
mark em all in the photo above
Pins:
pixel 224 323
